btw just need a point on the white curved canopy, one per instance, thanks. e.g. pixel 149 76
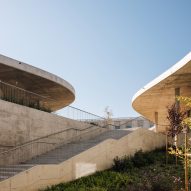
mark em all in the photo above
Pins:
pixel 152 100
pixel 58 91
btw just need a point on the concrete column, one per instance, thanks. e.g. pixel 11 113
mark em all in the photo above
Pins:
pixel 177 93
pixel 156 120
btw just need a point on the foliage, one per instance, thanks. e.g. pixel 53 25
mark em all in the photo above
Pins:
pixel 123 164
pixel 176 151
pixel 127 174
pixel 140 159
pixel 187 103
pixel 185 100
pixel 181 121
pixel 176 115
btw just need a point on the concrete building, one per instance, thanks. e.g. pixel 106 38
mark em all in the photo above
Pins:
pixel 23 87
pixel 131 122
pixel 50 90
pixel 153 99
pixel 39 148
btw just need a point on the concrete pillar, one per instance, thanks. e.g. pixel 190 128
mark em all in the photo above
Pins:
pixel 177 93
pixel 156 120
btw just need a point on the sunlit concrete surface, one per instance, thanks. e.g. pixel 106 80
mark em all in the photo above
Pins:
pixel 59 93
pixel 84 169
pixel 96 158
pixel 153 99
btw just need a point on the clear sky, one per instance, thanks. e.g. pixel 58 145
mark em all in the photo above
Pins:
pixel 107 49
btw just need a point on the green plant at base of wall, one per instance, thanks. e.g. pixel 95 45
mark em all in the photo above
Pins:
pixel 129 174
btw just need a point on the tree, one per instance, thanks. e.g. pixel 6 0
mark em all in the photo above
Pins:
pixel 176 115
pixel 108 115
pixel 180 121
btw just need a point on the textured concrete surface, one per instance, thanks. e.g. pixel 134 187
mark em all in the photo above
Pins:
pixel 62 153
pixel 152 100
pixel 20 124
pixel 38 81
pixel 96 158
pixel 71 149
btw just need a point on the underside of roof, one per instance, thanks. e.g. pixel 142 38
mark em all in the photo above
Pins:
pixel 156 96
pixel 58 92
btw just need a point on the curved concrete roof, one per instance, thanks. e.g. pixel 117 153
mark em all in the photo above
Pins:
pixel 157 95
pixel 58 91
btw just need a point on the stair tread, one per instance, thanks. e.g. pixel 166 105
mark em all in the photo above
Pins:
pixel 61 153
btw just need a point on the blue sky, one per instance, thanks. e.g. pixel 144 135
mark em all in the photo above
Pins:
pixel 107 49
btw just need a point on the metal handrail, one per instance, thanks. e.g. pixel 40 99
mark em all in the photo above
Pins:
pixel 25 90
pixel 86 112
pixel 40 138
pixel 43 97
pixel 54 142
pixel 131 120
pixel 59 132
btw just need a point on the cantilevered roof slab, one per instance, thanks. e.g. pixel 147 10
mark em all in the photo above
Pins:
pixel 59 93
pixel 152 100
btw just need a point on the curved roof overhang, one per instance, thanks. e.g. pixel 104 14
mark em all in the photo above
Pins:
pixel 153 99
pixel 59 93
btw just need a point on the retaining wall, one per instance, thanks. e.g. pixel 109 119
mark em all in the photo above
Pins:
pixel 99 157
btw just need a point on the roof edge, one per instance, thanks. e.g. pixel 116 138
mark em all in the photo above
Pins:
pixel 36 71
pixel 164 75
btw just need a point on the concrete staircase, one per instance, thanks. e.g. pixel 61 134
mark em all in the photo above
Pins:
pixel 61 154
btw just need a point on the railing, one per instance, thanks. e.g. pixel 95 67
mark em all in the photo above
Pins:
pixel 123 125
pixel 130 120
pixel 30 99
pixel 20 96
pixel 46 143
pixel 31 149
pixel 81 115
pixel 34 147
pixel 38 146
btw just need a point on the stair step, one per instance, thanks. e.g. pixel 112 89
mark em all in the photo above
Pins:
pixel 11 169
pixel 19 165
pixel 7 173
pixel 60 154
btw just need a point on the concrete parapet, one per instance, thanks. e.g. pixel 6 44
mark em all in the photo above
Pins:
pixel 97 158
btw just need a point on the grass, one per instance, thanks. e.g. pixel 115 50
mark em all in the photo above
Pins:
pixel 143 172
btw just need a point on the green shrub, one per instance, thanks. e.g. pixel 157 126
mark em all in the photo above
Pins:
pixel 140 159
pixel 123 165
pixel 162 184
pixel 143 172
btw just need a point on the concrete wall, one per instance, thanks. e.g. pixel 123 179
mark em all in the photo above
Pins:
pixel 20 124
pixel 94 159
